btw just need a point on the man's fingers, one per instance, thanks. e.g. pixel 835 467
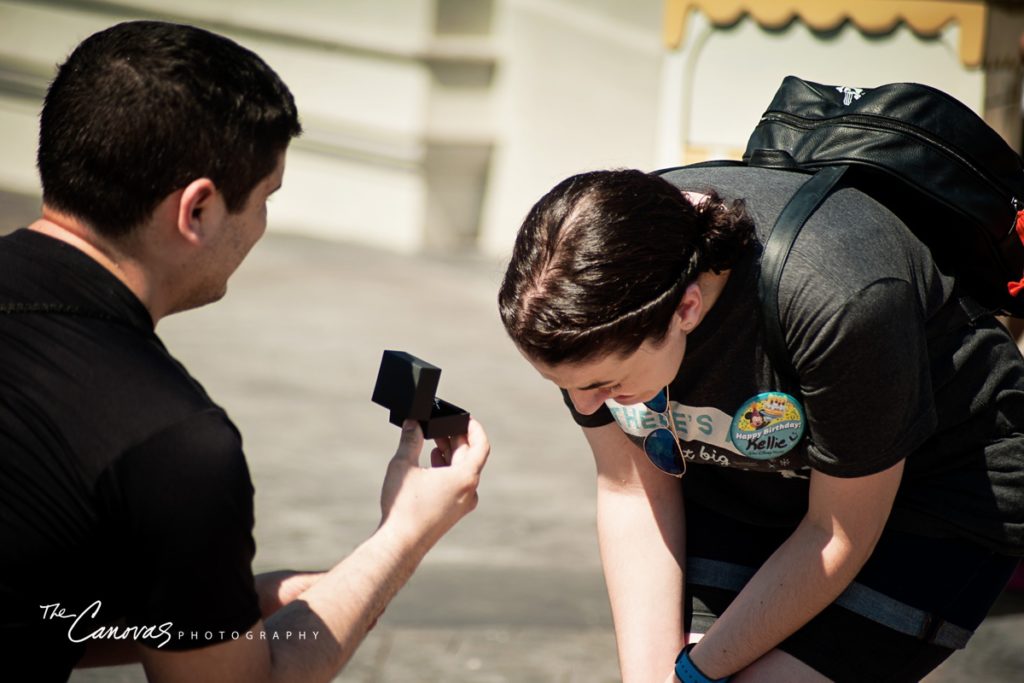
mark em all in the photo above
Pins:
pixel 444 444
pixel 472 449
pixel 411 443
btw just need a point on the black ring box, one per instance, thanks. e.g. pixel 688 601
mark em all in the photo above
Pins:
pixel 406 386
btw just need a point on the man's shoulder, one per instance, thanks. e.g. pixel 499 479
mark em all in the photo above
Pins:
pixel 99 387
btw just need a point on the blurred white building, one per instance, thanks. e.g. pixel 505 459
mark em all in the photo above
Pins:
pixel 437 123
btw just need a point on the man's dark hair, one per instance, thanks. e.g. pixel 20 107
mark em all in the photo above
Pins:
pixel 141 109
pixel 602 260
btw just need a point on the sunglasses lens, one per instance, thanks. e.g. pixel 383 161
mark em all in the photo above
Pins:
pixel 659 403
pixel 663 451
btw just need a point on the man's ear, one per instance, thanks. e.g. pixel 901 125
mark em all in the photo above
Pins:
pixel 690 308
pixel 195 209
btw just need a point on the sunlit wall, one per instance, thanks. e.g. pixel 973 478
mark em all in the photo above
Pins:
pixel 437 123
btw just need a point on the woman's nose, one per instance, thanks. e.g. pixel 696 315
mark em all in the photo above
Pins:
pixel 587 402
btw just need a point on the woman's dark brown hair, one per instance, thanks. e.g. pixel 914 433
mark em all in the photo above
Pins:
pixel 602 260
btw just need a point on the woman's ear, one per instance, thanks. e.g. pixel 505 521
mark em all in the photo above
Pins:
pixel 690 308
pixel 196 209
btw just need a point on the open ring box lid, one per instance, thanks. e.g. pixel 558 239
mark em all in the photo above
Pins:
pixel 406 386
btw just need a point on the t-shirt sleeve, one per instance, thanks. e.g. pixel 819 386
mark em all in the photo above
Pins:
pixel 598 418
pixel 187 515
pixel 865 379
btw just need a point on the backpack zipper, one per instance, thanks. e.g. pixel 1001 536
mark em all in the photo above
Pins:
pixel 887 124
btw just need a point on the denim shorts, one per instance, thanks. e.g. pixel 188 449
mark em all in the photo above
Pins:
pixel 915 601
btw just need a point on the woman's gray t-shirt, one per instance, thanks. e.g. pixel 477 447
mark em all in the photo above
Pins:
pixel 890 367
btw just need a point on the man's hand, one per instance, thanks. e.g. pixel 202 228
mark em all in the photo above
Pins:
pixel 421 504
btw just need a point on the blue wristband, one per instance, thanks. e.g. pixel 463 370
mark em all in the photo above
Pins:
pixel 687 671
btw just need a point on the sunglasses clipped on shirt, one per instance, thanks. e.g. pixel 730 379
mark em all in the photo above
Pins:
pixel 662 445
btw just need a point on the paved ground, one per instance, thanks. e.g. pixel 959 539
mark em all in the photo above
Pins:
pixel 514 594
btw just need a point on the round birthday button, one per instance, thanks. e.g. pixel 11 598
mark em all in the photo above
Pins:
pixel 767 425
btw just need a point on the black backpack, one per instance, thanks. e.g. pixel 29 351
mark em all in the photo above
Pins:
pixel 924 155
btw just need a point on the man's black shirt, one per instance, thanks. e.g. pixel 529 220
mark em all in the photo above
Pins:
pixel 121 482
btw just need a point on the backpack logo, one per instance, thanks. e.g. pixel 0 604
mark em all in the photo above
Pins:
pixel 850 94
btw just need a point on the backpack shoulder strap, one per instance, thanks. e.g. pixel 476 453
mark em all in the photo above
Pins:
pixel 773 260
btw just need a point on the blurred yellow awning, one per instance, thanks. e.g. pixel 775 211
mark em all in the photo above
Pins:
pixel 925 17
